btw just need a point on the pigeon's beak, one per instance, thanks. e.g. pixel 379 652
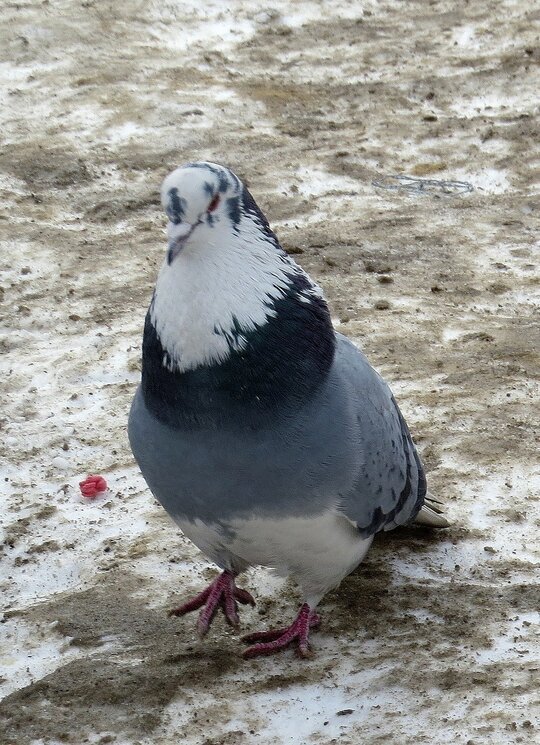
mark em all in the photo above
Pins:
pixel 177 235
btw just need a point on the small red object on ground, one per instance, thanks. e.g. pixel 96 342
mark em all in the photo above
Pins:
pixel 92 486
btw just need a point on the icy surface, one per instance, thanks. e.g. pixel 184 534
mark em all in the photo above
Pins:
pixel 435 638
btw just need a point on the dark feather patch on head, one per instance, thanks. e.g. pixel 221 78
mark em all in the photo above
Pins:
pixel 233 210
pixel 223 181
pixel 175 206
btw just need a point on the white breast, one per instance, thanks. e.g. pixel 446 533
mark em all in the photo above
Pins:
pixel 317 551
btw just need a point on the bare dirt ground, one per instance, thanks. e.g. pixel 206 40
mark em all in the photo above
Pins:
pixel 435 638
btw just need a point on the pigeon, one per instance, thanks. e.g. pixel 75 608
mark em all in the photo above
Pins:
pixel 265 434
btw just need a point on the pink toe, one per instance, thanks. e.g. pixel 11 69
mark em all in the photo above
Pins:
pixel 270 642
pixel 221 593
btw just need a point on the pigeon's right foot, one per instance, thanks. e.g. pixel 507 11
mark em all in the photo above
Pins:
pixel 221 593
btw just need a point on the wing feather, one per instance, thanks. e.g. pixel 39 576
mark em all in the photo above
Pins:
pixel 390 486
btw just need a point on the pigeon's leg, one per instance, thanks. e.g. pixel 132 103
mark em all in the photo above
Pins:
pixel 269 642
pixel 221 593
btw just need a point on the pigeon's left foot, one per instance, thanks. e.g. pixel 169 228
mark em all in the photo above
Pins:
pixel 221 593
pixel 270 642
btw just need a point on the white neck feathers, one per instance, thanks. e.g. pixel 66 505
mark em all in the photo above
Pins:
pixel 218 288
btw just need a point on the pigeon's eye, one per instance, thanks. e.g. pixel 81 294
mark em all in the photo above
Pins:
pixel 214 203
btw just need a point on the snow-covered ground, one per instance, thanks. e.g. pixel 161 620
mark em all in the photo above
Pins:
pixel 435 638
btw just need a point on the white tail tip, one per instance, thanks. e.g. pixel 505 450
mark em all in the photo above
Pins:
pixel 431 514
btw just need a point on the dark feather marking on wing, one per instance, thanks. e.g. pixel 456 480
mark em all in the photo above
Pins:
pixel 379 519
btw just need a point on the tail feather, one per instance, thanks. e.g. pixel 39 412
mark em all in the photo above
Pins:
pixel 431 514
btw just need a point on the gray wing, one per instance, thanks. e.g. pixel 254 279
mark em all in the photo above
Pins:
pixel 390 484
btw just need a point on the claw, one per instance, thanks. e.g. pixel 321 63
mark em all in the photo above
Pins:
pixel 221 593
pixel 270 642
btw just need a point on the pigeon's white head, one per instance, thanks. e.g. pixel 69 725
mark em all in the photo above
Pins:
pixel 201 200
pixel 224 274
